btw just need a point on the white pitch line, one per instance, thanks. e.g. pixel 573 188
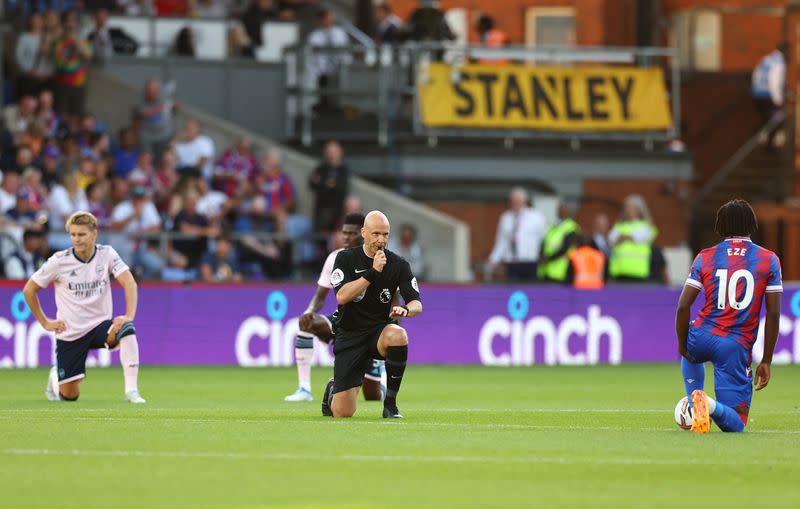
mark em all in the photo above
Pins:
pixel 530 460
pixel 345 422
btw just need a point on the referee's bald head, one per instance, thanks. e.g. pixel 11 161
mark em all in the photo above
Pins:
pixel 376 219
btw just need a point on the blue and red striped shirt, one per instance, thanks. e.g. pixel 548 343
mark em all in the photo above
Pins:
pixel 734 275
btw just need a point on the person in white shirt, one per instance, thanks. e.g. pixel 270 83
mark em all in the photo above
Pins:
pixel 325 66
pixel 769 83
pixel 84 319
pixel 138 215
pixel 9 185
pixel 519 238
pixel 195 150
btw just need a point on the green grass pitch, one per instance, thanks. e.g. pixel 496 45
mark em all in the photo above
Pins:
pixel 472 437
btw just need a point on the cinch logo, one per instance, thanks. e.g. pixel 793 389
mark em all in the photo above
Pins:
pixel 28 352
pixel 272 338
pixel 574 341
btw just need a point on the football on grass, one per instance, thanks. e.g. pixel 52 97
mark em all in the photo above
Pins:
pixel 683 414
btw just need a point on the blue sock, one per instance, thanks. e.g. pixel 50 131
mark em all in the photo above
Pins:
pixel 727 419
pixel 694 377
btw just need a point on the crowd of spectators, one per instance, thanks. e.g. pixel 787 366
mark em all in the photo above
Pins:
pixel 232 210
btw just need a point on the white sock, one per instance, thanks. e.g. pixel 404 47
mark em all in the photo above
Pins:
pixel 712 404
pixel 383 373
pixel 129 357
pixel 53 380
pixel 303 352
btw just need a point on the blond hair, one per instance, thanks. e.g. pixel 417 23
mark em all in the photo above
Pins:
pixel 82 218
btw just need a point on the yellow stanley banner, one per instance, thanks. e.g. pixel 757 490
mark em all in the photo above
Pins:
pixel 546 98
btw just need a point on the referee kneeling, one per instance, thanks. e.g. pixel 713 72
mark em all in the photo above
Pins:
pixel 365 279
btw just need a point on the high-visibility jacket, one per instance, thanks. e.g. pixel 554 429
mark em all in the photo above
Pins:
pixel 556 270
pixel 588 265
pixel 495 39
pixel 631 259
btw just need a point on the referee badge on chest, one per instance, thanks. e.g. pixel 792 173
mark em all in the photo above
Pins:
pixel 386 296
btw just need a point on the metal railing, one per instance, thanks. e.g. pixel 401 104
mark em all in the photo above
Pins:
pixel 739 156
pixel 379 83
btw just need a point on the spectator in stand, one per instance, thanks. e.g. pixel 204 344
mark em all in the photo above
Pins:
pixel 23 262
pixel 325 66
pixel 65 199
pixel 330 183
pixel 47 115
pixel 71 56
pixel 17 117
pixel 271 256
pixel 212 204
pixel 239 45
pixel 51 166
pixel 491 37
pixel 428 24
pixel 127 153
pixel 100 37
pixel 53 29
pixel 388 27
pixel 87 172
pixel 190 222
pixel 184 43
pixel 99 147
pixel 600 229
pixel 406 245
pixel 32 58
pixel 166 181
pixel 8 191
pixel 632 242
pixel 24 159
pixel 195 151
pixel 34 138
pixel 234 168
pixel 23 216
pixel 119 192
pixel 259 12
pixel 95 196
pixel 220 265
pixel 520 232
pixel 145 173
pixel 276 188
pixel 153 119
pixel 36 191
pixel 138 215
pixel 769 84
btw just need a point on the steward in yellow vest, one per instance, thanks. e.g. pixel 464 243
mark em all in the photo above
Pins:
pixel 632 244
pixel 557 243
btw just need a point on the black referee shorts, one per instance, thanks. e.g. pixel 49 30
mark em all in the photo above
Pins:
pixel 354 352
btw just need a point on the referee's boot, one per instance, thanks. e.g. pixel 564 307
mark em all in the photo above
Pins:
pixel 391 412
pixel 327 397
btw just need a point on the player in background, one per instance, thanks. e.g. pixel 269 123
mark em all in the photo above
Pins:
pixel 735 276
pixel 313 324
pixel 84 319
pixel 365 279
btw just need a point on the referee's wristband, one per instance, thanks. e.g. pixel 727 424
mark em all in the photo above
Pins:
pixel 406 308
pixel 371 275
